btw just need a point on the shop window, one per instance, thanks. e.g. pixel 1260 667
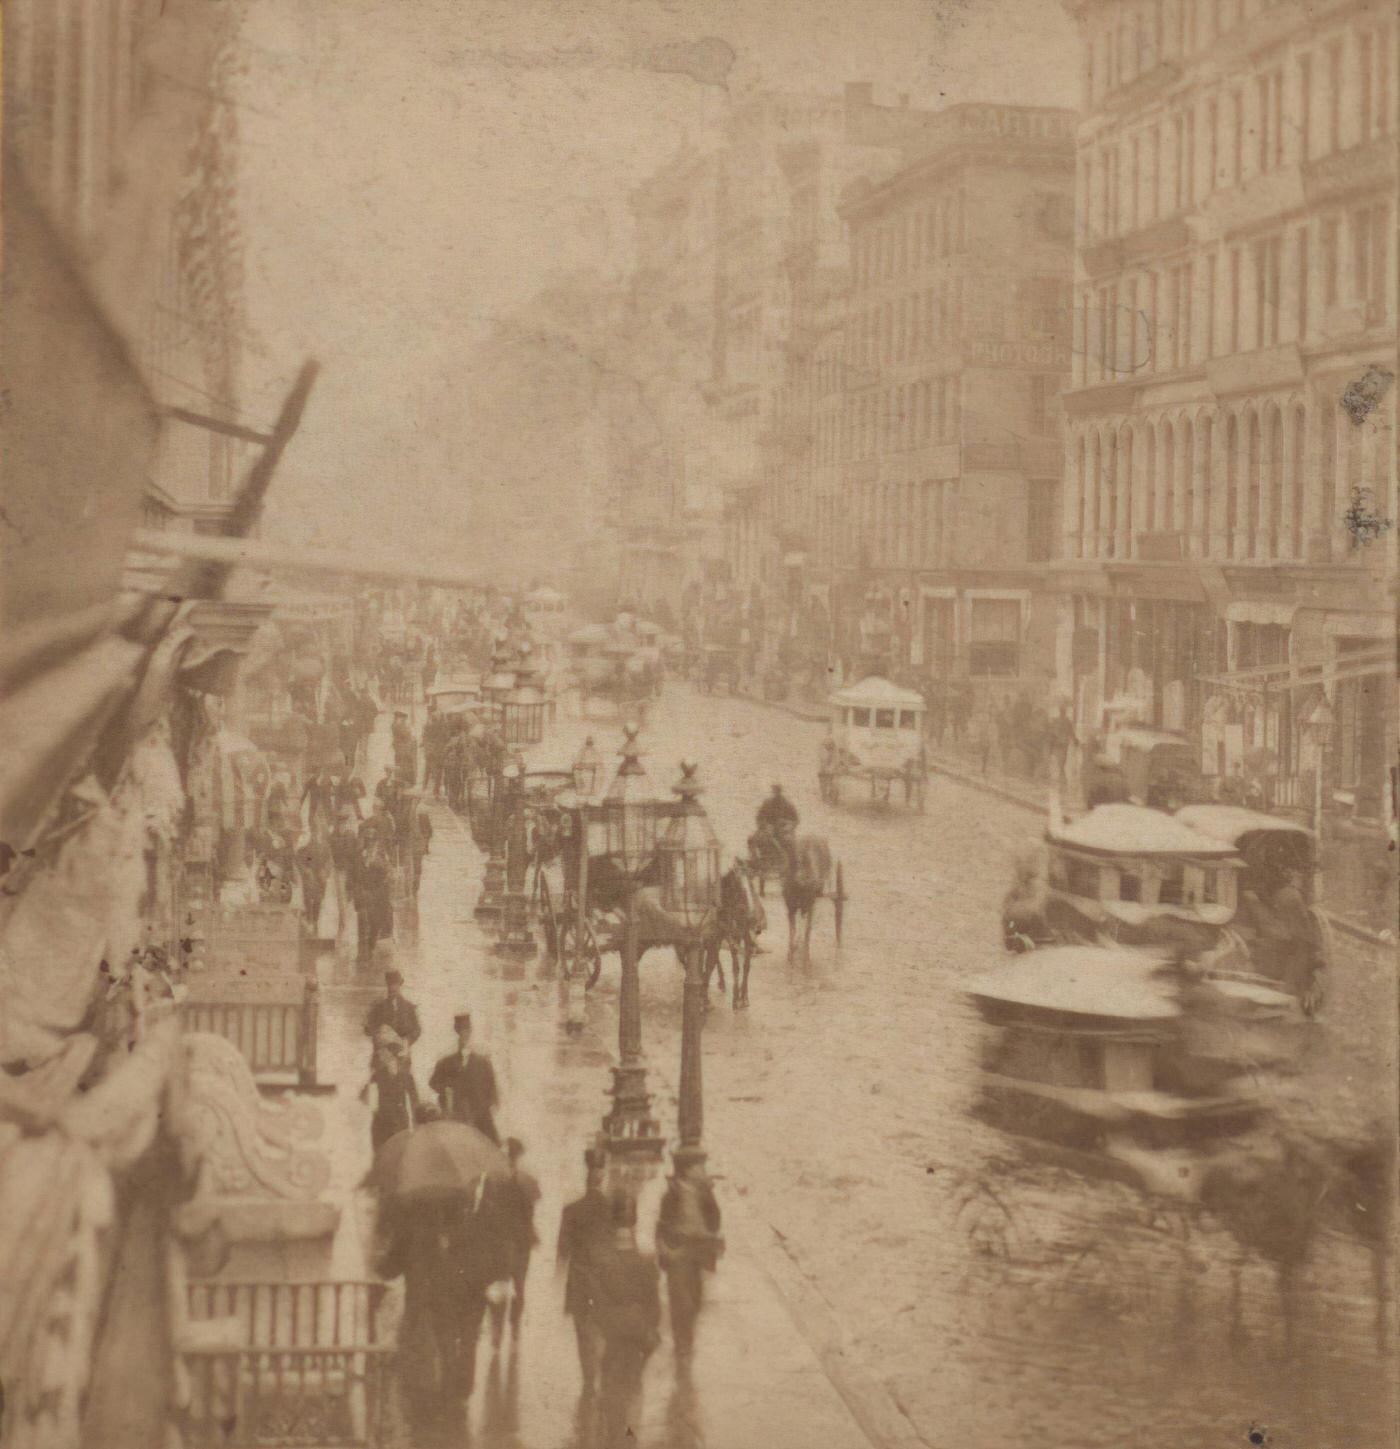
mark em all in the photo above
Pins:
pixel 907 719
pixel 860 717
pixel 884 719
pixel 994 648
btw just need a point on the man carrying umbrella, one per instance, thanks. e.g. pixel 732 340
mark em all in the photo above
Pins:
pixel 465 1082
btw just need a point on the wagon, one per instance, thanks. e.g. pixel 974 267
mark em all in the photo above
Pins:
pixel 877 736
pixel 717 664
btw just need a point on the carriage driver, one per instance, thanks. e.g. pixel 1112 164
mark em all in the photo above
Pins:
pixel 777 816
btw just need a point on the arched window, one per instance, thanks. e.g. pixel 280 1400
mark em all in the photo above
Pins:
pixel 1277 524
pixel 1232 436
pixel 1097 489
pixel 1081 500
pixel 1185 485
pixel 1253 482
pixel 1171 503
pixel 1205 503
pixel 1300 443
pixel 1327 422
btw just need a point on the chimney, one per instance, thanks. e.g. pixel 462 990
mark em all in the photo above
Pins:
pixel 859 94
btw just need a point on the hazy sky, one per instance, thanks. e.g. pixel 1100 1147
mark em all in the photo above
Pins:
pixel 412 167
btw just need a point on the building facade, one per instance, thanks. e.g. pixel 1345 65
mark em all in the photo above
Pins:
pixel 1230 452
pixel 954 350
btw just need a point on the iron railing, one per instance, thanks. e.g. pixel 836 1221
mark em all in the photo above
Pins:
pixel 282 1314
pixel 287 1397
pixel 276 1038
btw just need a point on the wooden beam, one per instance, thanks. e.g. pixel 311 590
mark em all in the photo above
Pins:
pixel 217 425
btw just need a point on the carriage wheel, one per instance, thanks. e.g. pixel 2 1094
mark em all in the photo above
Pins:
pixel 838 899
pixel 548 924
pixel 568 954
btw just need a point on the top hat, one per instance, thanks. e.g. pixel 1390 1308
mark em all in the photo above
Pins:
pixel 461 1019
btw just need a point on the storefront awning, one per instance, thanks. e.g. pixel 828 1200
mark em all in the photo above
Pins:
pixel 1270 678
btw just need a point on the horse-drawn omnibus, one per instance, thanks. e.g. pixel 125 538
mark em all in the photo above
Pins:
pixel 1226 888
pixel 876 735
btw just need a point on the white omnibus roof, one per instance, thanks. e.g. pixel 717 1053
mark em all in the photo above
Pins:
pixel 875 693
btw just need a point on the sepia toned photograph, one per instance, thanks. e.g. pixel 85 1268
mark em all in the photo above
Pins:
pixel 698 724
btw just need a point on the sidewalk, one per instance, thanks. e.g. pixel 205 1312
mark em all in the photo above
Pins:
pixel 755 1382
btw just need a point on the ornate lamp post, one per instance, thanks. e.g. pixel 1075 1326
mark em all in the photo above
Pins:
pixel 689 854
pixel 515 938
pixel 628 816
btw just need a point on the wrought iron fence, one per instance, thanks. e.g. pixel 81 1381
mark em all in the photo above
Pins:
pixel 287 1396
pixel 281 1314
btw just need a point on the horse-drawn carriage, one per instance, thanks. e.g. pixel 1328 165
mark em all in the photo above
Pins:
pixel 716 665
pixel 876 735
pixel 1228 889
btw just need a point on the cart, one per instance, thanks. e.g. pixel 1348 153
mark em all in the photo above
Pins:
pixel 876 736
pixel 718 664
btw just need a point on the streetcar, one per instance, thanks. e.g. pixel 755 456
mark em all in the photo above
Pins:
pixel 876 735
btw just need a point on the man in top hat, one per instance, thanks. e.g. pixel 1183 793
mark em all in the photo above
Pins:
pixel 394 1013
pixel 465 1082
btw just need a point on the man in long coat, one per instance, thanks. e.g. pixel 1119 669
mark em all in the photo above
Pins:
pixel 395 1011
pixel 465 1082
pixel 585 1230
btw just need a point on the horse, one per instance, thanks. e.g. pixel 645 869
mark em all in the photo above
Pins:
pixel 739 920
pixel 806 877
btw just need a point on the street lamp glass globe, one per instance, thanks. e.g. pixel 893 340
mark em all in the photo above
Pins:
pixel 689 852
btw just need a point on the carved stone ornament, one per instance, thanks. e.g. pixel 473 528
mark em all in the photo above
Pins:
pixel 245 1145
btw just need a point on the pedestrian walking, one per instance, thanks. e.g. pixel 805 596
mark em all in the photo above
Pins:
pixel 313 863
pixel 465 1082
pixel 349 793
pixel 318 799
pixel 395 1012
pixel 627 1308
pixel 376 897
pixel 585 1228
pixel 391 1093
pixel 435 732
pixel 522 1194
pixel 345 855
pixel 688 1246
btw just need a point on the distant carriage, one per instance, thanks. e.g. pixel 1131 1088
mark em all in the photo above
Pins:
pixel 877 736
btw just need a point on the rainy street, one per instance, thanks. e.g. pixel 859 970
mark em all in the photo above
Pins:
pixel 913 1257
pixel 698 737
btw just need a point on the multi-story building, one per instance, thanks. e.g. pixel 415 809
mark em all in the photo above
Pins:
pixel 148 221
pixel 1230 451
pixel 956 346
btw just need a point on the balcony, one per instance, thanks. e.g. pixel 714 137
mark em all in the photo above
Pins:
pixel 1269 367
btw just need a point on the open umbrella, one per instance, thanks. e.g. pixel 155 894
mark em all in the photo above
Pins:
pixel 434 1160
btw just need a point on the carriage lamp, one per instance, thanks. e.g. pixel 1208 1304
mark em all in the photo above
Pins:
pixel 689 853
pixel 587 770
pixel 629 811
pixel 522 715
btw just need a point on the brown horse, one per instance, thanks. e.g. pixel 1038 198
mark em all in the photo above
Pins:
pixel 740 919
pixel 807 875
